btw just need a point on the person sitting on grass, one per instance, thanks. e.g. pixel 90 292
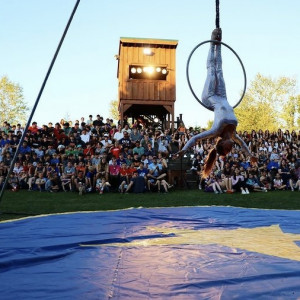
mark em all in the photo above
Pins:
pixel 253 185
pixel 102 186
pixel 80 182
pixel 69 172
pixel 239 183
pixel 225 184
pixel 294 181
pixel 137 184
pixel 278 183
pixel 114 174
pixel 212 185
pixel 13 182
pixel 66 183
pixel 41 182
pixel 125 175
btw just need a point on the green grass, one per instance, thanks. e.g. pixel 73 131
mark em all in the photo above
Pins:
pixel 23 203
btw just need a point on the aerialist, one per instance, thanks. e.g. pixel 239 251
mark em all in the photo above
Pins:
pixel 225 121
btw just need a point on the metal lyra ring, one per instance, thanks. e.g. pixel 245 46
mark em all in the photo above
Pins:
pixel 188 76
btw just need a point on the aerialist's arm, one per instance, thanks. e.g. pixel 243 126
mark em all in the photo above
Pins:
pixel 239 141
pixel 203 135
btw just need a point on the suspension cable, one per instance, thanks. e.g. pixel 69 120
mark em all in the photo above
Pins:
pixel 217 14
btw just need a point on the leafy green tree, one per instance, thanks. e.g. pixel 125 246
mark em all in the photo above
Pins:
pixel 114 109
pixel 209 124
pixel 291 112
pixel 267 104
pixel 13 108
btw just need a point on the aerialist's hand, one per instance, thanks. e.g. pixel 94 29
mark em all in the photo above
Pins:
pixel 178 154
pixel 217 34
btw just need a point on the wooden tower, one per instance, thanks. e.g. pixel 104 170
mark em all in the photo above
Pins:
pixel 147 79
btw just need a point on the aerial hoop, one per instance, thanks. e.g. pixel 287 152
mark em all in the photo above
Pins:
pixel 188 76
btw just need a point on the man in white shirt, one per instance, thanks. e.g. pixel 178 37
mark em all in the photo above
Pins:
pixel 85 136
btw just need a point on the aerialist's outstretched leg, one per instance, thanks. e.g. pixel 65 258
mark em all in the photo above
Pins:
pixel 210 83
pixel 220 86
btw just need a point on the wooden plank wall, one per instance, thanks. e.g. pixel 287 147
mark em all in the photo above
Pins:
pixel 143 90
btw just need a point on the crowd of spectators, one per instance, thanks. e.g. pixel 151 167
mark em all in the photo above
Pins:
pixel 97 155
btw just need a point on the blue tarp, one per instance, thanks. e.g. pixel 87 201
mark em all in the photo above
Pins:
pixel 168 253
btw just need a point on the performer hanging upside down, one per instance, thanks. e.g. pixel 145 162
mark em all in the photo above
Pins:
pixel 225 121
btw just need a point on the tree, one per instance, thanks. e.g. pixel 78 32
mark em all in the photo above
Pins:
pixel 113 109
pixel 291 112
pixel 267 104
pixel 13 108
pixel 209 124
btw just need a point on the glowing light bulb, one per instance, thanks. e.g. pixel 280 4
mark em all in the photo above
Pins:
pixel 147 51
pixel 150 70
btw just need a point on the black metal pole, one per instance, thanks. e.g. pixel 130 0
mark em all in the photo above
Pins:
pixel 217 14
pixel 38 99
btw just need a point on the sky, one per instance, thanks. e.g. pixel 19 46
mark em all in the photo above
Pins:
pixel 265 34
